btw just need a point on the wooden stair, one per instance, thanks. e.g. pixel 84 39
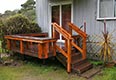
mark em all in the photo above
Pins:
pixel 78 64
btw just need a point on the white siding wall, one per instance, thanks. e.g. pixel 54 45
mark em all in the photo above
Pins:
pixel 86 10
pixel 42 14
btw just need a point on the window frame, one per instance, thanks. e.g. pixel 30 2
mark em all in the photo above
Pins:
pixel 98 12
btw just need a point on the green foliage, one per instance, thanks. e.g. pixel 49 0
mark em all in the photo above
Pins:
pixel 30 14
pixel 28 5
pixel 28 10
pixel 106 52
pixel 17 24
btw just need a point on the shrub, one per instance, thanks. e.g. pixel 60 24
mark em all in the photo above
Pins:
pixel 17 24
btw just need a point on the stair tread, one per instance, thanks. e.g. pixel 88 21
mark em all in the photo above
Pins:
pixel 76 61
pixel 91 72
pixel 82 66
pixel 75 54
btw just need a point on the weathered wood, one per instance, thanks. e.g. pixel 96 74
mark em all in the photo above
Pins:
pixel 28 42
pixel 62 51
pixel 46 48
pixel 8 44
pixel 76 28
pixel 35 34
pixel 40 51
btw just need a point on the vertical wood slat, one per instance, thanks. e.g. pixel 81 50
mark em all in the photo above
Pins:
pixel 30 46
pixel 40 50
pixel 8 44
pixel 69 56
pixel 54 48
pixel 45 49
pixel 21 47
pixel 14 45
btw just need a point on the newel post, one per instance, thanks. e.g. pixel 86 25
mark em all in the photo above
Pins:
pixel 69 55
pixel 53 31
pixel 84 48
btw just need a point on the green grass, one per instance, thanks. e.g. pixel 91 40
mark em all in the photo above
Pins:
pixel 53 70
pixel 36 71
pixel 107 74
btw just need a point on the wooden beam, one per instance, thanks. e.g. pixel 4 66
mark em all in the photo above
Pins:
pixel 21 47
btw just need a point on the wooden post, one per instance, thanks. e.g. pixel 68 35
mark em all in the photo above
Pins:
pixel 84 48
pixel 66 44
pixel 69 56
pixel 53 32
pixel 8 44
pixel 21 47
pixel 40 50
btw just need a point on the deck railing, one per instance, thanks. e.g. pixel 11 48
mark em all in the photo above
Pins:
pixel 83 35
pixel 69 42
pixel 39 46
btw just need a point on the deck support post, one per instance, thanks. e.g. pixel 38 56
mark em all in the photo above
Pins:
pixel 69 56
pixel 40 50
pixel 84 48
pixel 21 47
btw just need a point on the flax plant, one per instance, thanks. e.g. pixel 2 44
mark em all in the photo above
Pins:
pixel 106 51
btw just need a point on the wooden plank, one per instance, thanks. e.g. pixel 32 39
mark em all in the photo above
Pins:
pixel 45 49
pixel 69 56
pixel 62 51
pixel 73 44
pixel 40 51
pixel 8 44
pixel 21 47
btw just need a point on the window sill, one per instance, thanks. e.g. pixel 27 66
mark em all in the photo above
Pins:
pixel 110 18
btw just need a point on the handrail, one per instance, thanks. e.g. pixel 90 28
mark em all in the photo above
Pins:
pixel 68 39
pixel 62 31
pixel 78 30
pixel 83 35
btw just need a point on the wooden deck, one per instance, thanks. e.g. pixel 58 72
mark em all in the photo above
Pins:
pixel 36 45
pixel 70 53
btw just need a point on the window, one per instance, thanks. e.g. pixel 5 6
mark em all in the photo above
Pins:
pixel 106 9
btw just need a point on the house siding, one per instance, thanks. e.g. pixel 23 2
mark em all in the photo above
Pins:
pixel 42 14
pixel 86 10
pixel 83 10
